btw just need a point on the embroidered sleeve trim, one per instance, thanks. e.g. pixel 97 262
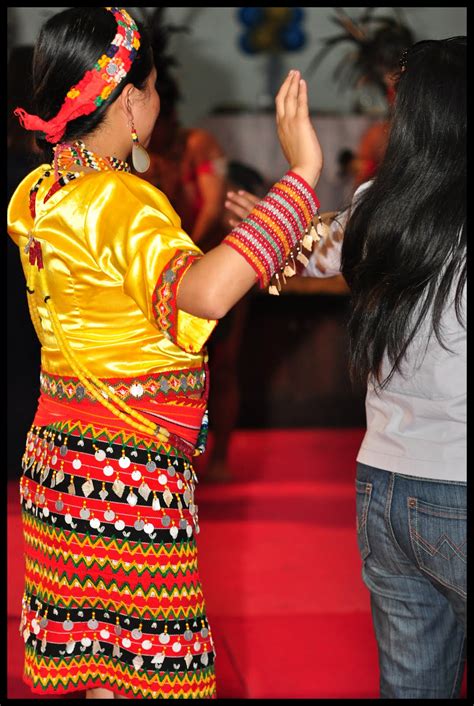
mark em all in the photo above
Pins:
pixel 164 294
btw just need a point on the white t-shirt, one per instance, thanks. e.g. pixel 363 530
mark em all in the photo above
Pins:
pixel 417 424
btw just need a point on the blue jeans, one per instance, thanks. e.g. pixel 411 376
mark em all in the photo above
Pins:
pixel 412 539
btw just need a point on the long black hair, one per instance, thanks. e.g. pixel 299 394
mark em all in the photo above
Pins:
pixel 69 44
pixel 404 247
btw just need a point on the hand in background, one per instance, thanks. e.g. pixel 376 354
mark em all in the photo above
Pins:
pixel 240 203
pixel 297 136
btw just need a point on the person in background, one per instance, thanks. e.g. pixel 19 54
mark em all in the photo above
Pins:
pixel 402 249
pixel 123 302
pixel 377 42
pixel 190 167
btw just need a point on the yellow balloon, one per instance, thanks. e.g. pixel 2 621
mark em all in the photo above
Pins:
pixel 279 15
pixel 264 38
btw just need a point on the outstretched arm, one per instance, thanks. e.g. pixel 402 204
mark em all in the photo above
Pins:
pixel 215 282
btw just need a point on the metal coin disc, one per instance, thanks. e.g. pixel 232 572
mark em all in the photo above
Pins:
pixel 118 487
pixel 132 499
pixel 144 490
pixel 87 488
pixel 137 662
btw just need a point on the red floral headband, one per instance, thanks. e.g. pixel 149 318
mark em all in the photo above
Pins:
pixel 96 85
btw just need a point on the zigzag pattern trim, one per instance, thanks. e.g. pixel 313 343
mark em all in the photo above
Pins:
pixel 158 612
pixel 181 550
pixel 107 566
pixel 197 684
pixel 67 580
pixel 123 438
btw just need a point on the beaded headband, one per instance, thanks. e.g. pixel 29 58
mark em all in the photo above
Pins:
pixel 96 85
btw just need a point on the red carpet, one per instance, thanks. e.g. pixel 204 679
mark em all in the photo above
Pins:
pixel 280 570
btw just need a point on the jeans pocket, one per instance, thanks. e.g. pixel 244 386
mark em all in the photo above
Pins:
pixel 363 496
pixel 438 537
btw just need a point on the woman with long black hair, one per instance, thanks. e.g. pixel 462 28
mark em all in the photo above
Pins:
pixel 404 258
pixel 402 249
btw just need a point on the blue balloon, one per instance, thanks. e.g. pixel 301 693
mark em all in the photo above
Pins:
pixel 246 44
pixel 297 14
pixel 293 38
pixel 250 16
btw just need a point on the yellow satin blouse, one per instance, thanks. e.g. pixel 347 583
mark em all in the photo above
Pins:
pixel 111 247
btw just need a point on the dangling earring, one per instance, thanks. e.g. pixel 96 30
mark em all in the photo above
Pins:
pixel 140 157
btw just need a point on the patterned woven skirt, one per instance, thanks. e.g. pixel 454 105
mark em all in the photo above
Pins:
pixel 112 595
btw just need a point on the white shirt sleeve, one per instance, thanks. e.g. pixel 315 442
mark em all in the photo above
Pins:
pixel 325 260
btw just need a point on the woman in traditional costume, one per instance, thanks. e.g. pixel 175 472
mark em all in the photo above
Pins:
pixel 123 301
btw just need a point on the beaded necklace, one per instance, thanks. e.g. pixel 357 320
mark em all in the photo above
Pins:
pixel 66 156
pixel 77 153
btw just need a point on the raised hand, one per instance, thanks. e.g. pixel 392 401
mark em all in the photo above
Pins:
pixel 297 136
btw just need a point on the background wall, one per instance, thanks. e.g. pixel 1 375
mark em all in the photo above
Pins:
pixel 215 72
